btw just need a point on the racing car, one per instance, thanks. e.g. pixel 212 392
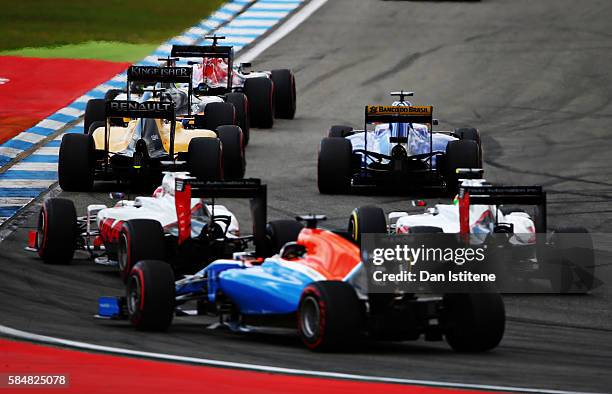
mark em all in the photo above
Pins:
pixel 402 152
pixel 311 285
pixel 271 94
pixel 498 218
pixel 133 142
pixel 143 228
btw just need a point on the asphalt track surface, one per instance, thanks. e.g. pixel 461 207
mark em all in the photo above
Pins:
pixel 533 76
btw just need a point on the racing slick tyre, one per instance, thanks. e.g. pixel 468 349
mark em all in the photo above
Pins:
pixel 76 162
pixel 232 147
pixel 460 154
pixel 473 322
pixel 279 232
pixel 330 316
pixel 284 94
pixel 572 269
pixel 95 111
pixel 365 220
pixel 205 159
pixel 339 131
pixel 219 114
pixel 334 166
pixel 139 239
pixel 57 231
pixel 150 295
pixel 260 93
pixel 472 134
pixel 241 104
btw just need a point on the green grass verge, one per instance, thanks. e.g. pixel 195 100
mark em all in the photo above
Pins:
pixel 56 23
pixel 101 50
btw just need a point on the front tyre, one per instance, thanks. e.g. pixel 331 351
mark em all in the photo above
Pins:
pixel 57 231
pixel 284 94
pixel 205 158
pixel 232 146
pixel 241 104
pixel 140 239
pixel 330 316
pixel 334 166
pixel 260 93
pixel 76 163
pixel 366 220
pixel 151 295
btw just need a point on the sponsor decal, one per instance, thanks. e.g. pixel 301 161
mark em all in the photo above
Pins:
pixel 379 110
pixel 134 109
pixel 152 73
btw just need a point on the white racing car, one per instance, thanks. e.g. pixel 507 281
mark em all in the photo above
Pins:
pixel 146 228
pixel 490 216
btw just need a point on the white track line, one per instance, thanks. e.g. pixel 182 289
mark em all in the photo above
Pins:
pixel 265 368
pixel 281 32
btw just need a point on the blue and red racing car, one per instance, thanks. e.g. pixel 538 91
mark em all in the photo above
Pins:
pixel 314 284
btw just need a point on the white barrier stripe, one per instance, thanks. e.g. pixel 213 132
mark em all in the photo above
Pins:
pixel 14 201
pixel 70 111
pixel 9 152
pixel 273 6
pixel 34 166
pixel 253 22
pixel 29 137
pixel 51 124
pixel 228 30
pixel 46 150
pixel 264 14
pixel 21 183
pixel 266 368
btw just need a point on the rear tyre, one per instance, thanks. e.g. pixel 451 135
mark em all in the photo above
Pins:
pixel 219 114
pixel 76 162
pixel 279 232
pixel 574 260
pixel 460 154
pixel 241 104
pixel 260 93
pixel 284 94
pixel 140 239
pixel 151 295
pixel 334 166
pixel 232 145
pixel 205 159
pixel 95 111
pixel 471 134
pixel 365 220
pixel 330 316
pixel 57 231
pixel 473 322
pixel 340 131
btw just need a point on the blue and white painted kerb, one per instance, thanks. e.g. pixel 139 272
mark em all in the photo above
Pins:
pixel 33 175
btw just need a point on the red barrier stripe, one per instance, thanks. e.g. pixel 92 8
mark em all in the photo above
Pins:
pixel 95 372
pixel 34 88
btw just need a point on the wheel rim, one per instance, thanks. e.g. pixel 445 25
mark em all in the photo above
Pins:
pixel 310 316
pixel 133 301
pixel 122 255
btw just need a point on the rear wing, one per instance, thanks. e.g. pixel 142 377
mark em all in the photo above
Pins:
pixel 498 195
pixel 147 110
pixel 161 74
pixel 399 114
pixel 252 189
pixel 208 51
